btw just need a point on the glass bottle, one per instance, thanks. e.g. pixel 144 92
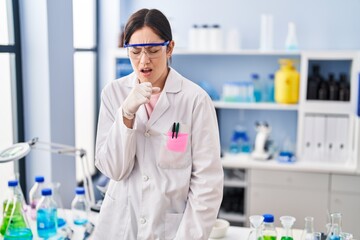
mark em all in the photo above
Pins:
pixel 46 215
pixel 270 88
pixel 61 214
pixel 15 224
pixel 256 222
pixel 308 233
pixel 335 227
pixel 80 207
pixel 35 195
pixel 287 222
pixel 269 230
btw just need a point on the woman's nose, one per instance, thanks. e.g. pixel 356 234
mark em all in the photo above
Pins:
pixel 144 58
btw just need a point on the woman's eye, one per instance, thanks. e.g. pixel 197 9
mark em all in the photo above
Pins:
pixel 153 50
pixel 135 51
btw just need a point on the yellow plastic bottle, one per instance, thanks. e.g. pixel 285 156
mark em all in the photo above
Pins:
pixel 287 83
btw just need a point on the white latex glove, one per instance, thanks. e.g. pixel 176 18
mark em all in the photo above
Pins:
pixel 139 95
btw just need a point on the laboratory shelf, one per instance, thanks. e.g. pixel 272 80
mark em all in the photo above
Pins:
pixel 235 183
pixel 255 106
pixel 244 161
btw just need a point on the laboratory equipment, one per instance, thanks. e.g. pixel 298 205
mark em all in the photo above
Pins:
pixel 35 195
pixel 256 222
pixel 335 227
pixel 258 96
pixel 317 236
pixel 269 89
pixel 269 230
pixel 46 215
pixel 80 207
pixel 287 83
pixel 61 213
pixel 240 141
pixel 286 154
pixel 291 42
pixel 15 224
pixel 20 150
pixel 287 222
pixel 308 233
pixel 263 131
pixel 266 34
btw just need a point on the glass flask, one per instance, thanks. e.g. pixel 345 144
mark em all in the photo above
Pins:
pixel 287 222
pixel 15 224
pixel 335 227
pixel 256 222
pixel 308 233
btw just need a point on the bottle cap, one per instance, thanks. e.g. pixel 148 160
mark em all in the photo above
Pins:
pixel 46 192
pixel 268 218
pixel 80 190
pixel 255 76
pixel 13 183
pixel 39 179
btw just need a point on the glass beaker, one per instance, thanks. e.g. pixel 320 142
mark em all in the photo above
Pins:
pixel 335 227
pixel 61 213
pixel 287 222
pixel 308 233
pixel 256 222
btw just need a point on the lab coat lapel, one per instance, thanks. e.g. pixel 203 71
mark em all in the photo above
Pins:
pixel 172 86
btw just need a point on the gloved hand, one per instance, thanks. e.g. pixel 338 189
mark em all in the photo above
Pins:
pixel 139 95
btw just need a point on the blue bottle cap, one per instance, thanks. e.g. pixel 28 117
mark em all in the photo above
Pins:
pixel 39 179
pixel 80 190
pixel 255 76
pixel 46 192
pixel 268 218
pixel 13 183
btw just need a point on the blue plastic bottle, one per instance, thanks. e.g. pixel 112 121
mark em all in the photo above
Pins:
pixel 257 87
pixel 46 215
pixel 270 88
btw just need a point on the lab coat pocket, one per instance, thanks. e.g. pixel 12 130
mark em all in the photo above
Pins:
pixel 172 222
pixel 174 152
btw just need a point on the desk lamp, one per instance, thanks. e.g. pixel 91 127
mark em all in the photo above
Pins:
pixel 20 150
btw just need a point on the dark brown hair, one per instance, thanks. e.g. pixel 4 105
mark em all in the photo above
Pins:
pixel 152 18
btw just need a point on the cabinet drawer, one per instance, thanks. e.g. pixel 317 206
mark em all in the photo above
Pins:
pixel 316 181
pixel 345 183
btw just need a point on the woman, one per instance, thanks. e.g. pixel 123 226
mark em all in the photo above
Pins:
pixel 158 142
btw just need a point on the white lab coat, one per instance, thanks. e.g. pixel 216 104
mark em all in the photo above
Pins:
pixel 154 192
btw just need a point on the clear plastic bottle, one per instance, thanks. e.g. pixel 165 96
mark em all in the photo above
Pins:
pixel 269 230
pixel 80 207
pixel 35 195
pixel 46 214
pixel 291 43
pixel 308 233
pixel 287 222
pixel 14 224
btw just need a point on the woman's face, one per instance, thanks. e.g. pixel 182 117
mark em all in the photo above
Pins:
pixel 149 62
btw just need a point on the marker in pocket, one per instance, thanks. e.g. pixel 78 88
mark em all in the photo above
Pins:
pixel 175 130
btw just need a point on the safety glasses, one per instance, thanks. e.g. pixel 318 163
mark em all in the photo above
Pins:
pixel 152 50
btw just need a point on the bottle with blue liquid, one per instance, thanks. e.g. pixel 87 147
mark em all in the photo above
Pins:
pixel 46 215
pixel 80 207
pixel 240 142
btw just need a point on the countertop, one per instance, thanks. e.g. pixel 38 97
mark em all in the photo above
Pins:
pixel 246 162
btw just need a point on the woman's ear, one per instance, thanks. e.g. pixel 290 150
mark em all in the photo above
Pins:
pixel 170 48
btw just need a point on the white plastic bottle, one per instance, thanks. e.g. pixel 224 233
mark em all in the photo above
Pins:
pixel 291 43
pixel 35 195
pixel 80 207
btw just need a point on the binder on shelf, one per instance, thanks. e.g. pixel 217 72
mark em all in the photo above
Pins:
pixel 308 142
pixel 319 138
pixel 330 139
pixel 342 143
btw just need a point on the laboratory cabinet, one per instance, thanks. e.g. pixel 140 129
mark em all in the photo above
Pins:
pixel 297 194
pixel 323 130
pixel 345 198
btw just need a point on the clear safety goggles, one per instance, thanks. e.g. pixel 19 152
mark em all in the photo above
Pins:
pixel 152 50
